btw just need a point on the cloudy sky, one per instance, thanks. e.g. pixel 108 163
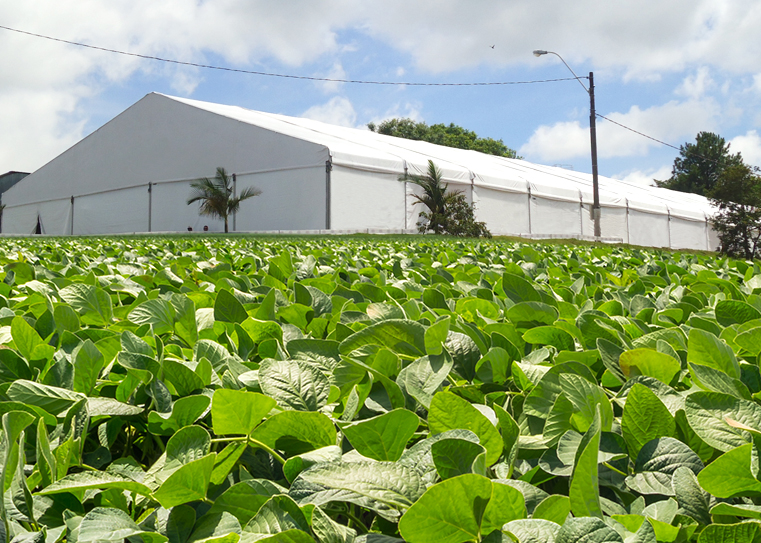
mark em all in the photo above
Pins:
pixel 665 68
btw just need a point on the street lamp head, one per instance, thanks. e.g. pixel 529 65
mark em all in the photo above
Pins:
pixel 539 52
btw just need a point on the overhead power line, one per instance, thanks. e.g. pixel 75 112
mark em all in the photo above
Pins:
pixel 336 80
pixel 287 76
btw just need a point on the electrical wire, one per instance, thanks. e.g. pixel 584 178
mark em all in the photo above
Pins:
pixel 335 80
pixel 288 76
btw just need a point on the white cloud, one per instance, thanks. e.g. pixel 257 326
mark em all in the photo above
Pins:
pixel 749 145
pixel 644 177
pixel 338 110
pixel 669 122
pixel 695 86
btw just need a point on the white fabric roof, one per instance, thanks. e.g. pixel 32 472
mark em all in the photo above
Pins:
pixel 364 149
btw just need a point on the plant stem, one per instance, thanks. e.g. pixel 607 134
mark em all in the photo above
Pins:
pixel 253 442
pixel 609 466
pixel 225 439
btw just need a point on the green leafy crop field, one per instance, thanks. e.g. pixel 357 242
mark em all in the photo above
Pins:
pixel 316 390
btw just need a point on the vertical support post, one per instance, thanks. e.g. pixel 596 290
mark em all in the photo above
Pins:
pixel 528 186
pixel 628 237
pixel 669 225
pixel 328 169
pixel 581 214
pixel 235 195
pixel 593 141
pixel 71 226
pixel 150 205
pixel 405 195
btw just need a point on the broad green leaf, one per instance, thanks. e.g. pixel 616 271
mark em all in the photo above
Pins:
pixel 587 530
pixel 729 312
pixel 294 384
pixel 540 400
pixel 383 437
pixel 707 413
pixel 461 509
pixel 278 514
pixel 87 480
pixel 584 490
pixel 227 308
pixel 238 412
pixel 189 483
pixel 28 341
pixel 422 378
pixel 730 476
pixel 404 337
pixel 693 500
pixel 550 335
pixel 554 508
pixel 159 313
pixel 471 308
pixel 436 335
pixel 737 510
pixel 184 380
pixel 110 524
pixel 750 340
pixel 518 289
pixel 329 531
pixel 261 330
pixel 296 464
pixel 706 349
pixel 532 312
pixel 656 463
pixel 216 528
pixel 744 532
pixel 186 445
pixel 244 499
pixel 88 361
pixel 532 530
pixel 91 303
pixel 644 418
pixel 185 411
pixel 296 432
pixel 494 367
pixel 714 380
pixel 226 460
pixel 450 412
pixel 54 400
pixel 453 457
pixel 586 397
pixel 378 485
pixel 510 437
pixel 649 362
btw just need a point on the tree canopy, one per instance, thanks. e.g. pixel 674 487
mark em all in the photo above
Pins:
pixel 441 134
pixel 737 194
pixel 700 164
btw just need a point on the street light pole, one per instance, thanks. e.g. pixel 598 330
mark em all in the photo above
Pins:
pixel 592 136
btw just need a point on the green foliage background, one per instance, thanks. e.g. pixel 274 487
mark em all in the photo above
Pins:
pixel 306 390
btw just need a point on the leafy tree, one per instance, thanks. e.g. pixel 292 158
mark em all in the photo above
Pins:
pixel 700 164
pixel 737 194
pixel 441 134
pixel 448 211
pixel 216 196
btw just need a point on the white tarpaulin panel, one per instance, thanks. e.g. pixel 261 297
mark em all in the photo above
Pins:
pixel 687 234
pixel 361 199
pixel 555 217
pixel 114 212
pixel 509 210
pixel 290 200
pixel 54 217
pixel 170 211
pixel 648 229
pixel 612 222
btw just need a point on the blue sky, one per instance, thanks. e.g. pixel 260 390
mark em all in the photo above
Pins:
pixel 668 69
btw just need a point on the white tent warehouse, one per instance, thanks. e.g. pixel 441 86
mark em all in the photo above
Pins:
pixel 133 175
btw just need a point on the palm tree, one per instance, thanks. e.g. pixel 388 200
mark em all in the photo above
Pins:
pixel 435 197
pixel 216 195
